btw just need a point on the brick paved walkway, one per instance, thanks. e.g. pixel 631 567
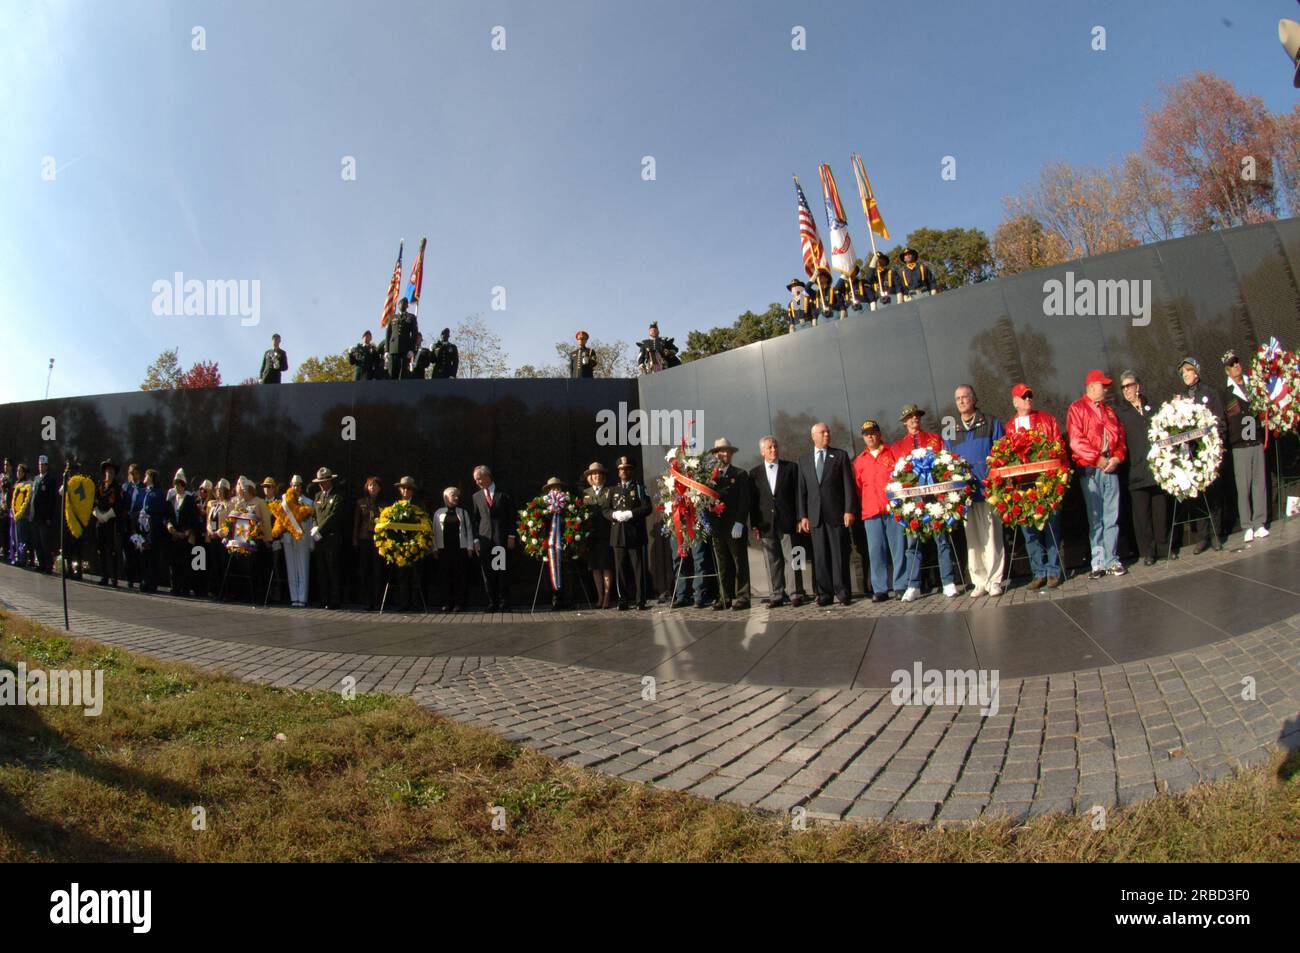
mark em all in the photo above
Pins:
pixel 1060 742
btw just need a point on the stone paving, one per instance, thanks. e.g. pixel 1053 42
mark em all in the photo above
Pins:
pixel 1066 742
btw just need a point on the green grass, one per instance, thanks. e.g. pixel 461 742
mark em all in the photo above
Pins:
pixel 378 778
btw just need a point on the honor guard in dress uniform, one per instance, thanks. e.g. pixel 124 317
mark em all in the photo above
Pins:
pixel 399 341
pixel 830 297
pixel 109 511
pixel 364 358
pixel 799 311
pixel 626 508
pixel 582 359
pixel 916 279
pixel 274 362
pixel 859 289
pixel 446 359
pixel 884 280
pixel 421 361
pixel 656 353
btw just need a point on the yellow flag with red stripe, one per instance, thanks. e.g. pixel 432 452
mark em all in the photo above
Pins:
pixel 869 207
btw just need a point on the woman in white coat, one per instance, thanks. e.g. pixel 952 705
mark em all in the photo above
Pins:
pixel 299 509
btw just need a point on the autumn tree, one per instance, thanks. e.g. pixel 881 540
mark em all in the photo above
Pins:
pixel 202 374
pixel 317 370
pixel 481 354
pixel 1217 147
pixel 1147 200
pixel 1080 205
pixel 1021 243
pixel 1288 158
pixel 164 372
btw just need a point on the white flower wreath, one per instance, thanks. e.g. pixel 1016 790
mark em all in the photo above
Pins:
pixel 1184 469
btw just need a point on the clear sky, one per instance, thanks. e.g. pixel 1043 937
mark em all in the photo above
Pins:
pixel 524 167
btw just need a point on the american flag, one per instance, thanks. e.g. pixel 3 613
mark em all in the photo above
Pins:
pixel 814 253
pixel 390 303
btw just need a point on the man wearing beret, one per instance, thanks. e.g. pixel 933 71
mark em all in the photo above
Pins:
pixel 446 357
pixel 917 439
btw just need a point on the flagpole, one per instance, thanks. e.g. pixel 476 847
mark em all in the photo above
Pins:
pixel 860 175
pixel 821 298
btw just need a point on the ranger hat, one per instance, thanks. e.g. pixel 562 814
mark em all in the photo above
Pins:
pixel 910 410
pixel 596 467
pixel 554 483
pixel 722 443
pixel 796 281
pixel 407 482
pixel 323 474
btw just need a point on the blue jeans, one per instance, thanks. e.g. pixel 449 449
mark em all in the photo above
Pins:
pixel 1044 553
pixel 944 542
pixel 1101 498
pixel 885 546
pixel 696 563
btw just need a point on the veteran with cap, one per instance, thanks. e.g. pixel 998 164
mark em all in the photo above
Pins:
pixel 1098 447
pixel 1043 545
pixel 886 550
pixel 730 547
pixel 327 534
pixel 917 438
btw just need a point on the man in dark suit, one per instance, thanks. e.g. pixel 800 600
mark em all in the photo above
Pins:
pixel 627 508
pixel 730 547
pixel 399 342
pixel 494 537
pixel 825 504
pixel 772 514
pixel 44 508
pixel 328 535
pixel 274 362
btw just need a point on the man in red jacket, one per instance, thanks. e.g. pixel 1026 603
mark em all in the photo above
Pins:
pixel 1098 446
pixel 917 439
pixel 873 469
pixel 1043 545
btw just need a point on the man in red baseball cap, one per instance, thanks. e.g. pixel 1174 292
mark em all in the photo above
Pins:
pixel 1098 445
pixel 1043 545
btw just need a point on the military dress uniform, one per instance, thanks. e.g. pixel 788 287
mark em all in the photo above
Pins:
pixel 656 353
pixel 365 361
pixel 828 297
pixel 399 344
pixel 582 362
pixel 274 363
pixel 328 534
pixel 628 537
pixel 886 285
pixel 862 295
pixel 800 310
pixel 421 364
pixel 916 279
pixel 446 360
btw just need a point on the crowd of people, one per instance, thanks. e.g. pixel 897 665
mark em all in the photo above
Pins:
pixel 151 533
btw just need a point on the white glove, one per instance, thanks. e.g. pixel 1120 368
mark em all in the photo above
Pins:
pixel 737 530
pixel 277 545
pixel 622 515
pixel 315 534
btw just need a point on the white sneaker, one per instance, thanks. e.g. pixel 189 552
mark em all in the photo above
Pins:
pixel 1250 534
pixel 995 590
pixel 912 594
pixel 1262 531
pixel 950 590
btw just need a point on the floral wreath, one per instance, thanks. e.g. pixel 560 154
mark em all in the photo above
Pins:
pixel 239 531
pixel 22 496
pixel 688 496
pixel 554 527
pixel 930 492
pixel 1273 386
pixel 403 534
pixel 1013 460
pixel 1185 447
pixel 289 515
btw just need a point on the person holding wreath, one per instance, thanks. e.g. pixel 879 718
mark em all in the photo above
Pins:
pixel 600 558
pixel 1201 393
pixel 1043 545
pixel 1247 451
pixel 918 439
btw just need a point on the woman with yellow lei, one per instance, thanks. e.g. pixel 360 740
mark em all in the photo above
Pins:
pixel 294 516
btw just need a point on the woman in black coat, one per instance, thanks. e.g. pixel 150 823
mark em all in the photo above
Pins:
pixel 600 558
pixel 1150 503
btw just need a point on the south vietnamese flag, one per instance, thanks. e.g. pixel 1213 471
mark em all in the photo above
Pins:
pixel 417 279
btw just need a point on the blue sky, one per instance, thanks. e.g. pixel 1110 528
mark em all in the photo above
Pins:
pixel 523 167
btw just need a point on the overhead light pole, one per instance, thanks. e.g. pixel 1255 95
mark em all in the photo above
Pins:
pixel 47 379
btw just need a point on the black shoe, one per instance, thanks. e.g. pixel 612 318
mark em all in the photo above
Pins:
pixel 776 603
pixel 1148 560
pixel 1097 574
pixel 880 597
pixel 740 605
pixel 622 607
pixel 446 608
pixel 845 601
pixel 680 603
pixel 796 601
pixel 1201 547
pixel 719 605
pixel 103 581
pixel 824 601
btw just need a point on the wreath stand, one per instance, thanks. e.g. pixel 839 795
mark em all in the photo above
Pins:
pixel 936 565
pixel 541 574
pixel 1011 555
pixel 1174 523
pixel 388 581
pixel 1281 483
pixel 678 577
pixel 252 594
